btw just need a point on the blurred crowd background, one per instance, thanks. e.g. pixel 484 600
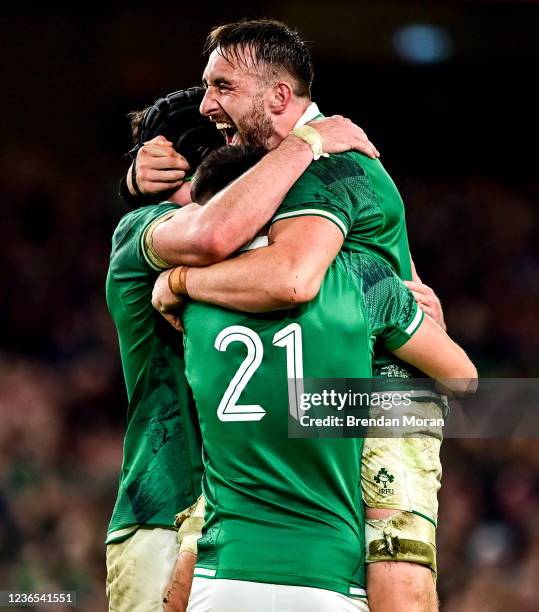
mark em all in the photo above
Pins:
pixel 444 92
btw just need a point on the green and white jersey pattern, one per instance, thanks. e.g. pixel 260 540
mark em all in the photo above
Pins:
pixel 162 463
pixel 279 510
pixel 358 195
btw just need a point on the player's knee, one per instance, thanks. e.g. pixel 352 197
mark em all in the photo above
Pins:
pixel 404 537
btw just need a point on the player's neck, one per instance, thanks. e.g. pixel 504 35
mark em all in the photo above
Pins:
pixel 285 122
pixel 182 196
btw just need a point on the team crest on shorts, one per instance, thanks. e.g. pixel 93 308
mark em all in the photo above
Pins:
pixel 384 478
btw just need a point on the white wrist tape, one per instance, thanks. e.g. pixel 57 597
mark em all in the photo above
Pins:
pixel 312 137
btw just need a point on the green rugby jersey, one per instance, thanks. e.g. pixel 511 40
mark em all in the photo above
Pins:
pixel 162 465
pixel 358 195
pixel 279 510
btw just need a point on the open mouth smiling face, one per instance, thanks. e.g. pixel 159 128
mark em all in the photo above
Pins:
pixel 228 130
pixel 231 86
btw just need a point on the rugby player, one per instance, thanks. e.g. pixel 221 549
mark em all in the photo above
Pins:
pixel 258 81
pixel 284 517
pixel 161 468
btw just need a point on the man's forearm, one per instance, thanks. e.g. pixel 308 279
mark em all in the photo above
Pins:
pixel 286 273
pixel 233 217
pixel 255 281
pixel 245 206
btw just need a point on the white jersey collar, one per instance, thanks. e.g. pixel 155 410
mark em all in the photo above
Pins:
pixel 310 113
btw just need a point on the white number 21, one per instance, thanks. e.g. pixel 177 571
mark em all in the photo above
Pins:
pixel 289 338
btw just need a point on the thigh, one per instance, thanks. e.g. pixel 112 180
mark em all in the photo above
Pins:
pixel 138 570
pixel 398 586
pixel 403 473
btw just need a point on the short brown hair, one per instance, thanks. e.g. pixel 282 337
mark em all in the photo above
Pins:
pixel 272 43
pixel 221 167
pixel 136 118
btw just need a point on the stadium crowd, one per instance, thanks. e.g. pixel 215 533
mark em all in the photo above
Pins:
pixel 62 397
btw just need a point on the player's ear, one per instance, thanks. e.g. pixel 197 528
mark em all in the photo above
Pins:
pixel 280 97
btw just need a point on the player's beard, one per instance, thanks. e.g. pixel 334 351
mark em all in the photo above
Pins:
pixel 255 128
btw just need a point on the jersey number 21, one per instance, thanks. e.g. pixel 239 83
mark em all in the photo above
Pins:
pixel 288 338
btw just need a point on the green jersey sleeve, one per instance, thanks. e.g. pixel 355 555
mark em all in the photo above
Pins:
pixel 131 249
pixel 336 188
pixel 392 312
